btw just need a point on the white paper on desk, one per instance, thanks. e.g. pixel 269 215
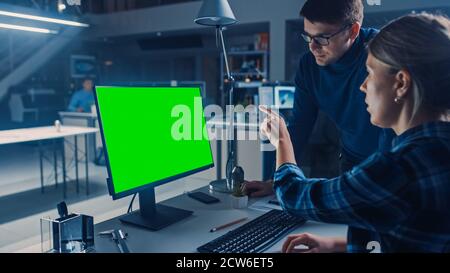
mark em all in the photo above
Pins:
pixel 264 205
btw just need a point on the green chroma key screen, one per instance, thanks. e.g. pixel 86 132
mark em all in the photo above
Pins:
pixel 152 134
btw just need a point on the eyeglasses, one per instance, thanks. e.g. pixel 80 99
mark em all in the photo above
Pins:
pixel 323 40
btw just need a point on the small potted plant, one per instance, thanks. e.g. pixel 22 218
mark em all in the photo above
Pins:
pixel 239 199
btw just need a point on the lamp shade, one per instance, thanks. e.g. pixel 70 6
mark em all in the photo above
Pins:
pixel 215 13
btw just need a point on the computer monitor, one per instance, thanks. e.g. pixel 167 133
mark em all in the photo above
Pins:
pixel 284 97
pixel 277 96
pixel 151 137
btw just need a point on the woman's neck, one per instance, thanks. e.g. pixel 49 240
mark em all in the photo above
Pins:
pixel 407 121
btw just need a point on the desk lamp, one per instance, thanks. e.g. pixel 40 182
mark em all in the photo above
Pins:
pixel 218 13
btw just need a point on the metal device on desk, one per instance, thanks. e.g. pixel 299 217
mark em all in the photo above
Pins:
pixel 119 237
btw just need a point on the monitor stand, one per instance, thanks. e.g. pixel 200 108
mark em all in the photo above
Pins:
pixel 154 216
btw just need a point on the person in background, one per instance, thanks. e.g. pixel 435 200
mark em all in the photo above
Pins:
pixel 82 100
pixel 399 198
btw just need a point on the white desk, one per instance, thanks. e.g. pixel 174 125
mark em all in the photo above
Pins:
pixel 40 134
pixel 84 120
pixel 188 234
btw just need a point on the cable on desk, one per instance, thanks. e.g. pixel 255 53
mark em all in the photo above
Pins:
pixel 130 207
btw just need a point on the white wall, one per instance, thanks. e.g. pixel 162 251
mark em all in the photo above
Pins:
pixel 276 12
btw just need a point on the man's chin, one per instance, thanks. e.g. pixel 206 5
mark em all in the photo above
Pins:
pixel 325 61
pixel 321 63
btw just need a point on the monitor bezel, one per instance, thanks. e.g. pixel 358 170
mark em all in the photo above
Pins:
pixel 154 184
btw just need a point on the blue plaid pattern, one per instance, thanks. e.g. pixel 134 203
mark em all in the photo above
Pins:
pixel 400 198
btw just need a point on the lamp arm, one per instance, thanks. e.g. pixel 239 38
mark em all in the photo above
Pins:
pixel 224 51
pixel 231 154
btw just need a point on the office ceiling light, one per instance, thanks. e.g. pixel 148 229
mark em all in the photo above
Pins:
pixel 43 19
pixel 30 29
pixel 215 13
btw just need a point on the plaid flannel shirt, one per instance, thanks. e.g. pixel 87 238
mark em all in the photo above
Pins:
pixel 400 198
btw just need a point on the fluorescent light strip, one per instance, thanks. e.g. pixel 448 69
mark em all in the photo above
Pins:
pixel 43 19
pixel 31 29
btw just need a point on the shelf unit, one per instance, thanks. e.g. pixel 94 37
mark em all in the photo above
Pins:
pixel 249 70
pixel 247 64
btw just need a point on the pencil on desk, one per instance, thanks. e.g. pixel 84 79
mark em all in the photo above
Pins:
pixel 229 224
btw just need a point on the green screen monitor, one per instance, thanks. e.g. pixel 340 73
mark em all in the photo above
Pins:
pixel 151 136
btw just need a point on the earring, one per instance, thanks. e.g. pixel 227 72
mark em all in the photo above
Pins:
pixel 398 100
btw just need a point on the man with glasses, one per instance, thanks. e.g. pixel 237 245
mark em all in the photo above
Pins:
pixel 323 39
pixel 328 78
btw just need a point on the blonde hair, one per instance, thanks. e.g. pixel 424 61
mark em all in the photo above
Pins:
pixel 420 44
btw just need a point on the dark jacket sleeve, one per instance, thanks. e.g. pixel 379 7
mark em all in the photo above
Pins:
pixel 305 112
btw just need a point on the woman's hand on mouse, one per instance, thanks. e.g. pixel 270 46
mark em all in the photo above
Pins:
pixel 313 244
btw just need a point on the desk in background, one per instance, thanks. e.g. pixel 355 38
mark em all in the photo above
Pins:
pixel 185 236
pixel 41 134
pixel 84 120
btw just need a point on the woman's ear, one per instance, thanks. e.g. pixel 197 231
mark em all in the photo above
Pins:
pixel 403 83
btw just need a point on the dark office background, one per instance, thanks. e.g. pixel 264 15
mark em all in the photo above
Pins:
pixel 184 55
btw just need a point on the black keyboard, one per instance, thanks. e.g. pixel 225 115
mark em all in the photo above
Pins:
pixel 256 235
